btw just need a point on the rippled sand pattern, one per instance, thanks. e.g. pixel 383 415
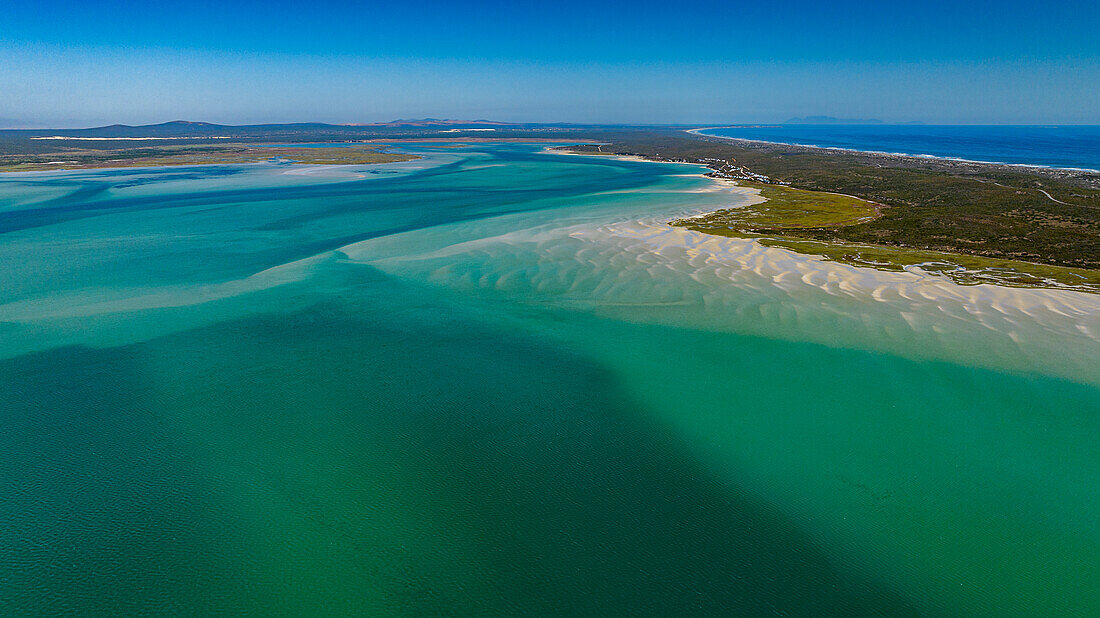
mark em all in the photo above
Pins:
pixel 495 381
pixel 632 269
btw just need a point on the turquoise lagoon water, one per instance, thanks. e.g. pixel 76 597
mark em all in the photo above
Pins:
pixel 494 381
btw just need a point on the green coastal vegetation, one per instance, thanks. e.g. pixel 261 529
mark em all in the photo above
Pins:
pixel 786 211
pixel 962 269
pixel 382 397
pixel 790 208
pixel 975 223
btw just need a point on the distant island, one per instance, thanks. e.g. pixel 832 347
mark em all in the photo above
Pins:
pixel 832 120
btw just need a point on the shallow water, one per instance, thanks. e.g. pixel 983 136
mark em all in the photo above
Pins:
pixel 493 380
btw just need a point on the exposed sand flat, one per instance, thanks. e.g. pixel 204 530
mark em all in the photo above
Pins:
pixel 617 257
pixel 294 351
pixel 646 270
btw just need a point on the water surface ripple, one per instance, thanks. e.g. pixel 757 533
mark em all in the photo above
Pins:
pixel 493 380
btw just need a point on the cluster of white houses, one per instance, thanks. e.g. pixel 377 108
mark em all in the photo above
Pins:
pixel 724 169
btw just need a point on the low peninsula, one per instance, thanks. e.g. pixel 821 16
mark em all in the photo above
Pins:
pixel 155 156
pixel 972 222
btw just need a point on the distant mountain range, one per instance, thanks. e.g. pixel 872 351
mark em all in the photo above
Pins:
pixel 832 120
pixel 185 128
pixel 430 122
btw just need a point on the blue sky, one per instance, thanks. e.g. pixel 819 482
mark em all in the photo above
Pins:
pixel 87 63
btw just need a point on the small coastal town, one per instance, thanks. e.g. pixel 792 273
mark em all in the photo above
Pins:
pixel 731 171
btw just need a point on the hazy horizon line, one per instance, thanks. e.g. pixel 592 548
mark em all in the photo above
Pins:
pixel 7 124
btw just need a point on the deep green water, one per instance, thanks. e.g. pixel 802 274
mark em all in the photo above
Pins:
pixel 490 382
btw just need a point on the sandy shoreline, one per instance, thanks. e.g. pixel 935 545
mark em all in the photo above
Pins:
pixel 726 181
pixel 1091 176
pixel 635 267
pixel 628 263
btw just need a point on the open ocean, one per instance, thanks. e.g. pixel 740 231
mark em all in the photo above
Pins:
pixel 1075 146
pixel 494 381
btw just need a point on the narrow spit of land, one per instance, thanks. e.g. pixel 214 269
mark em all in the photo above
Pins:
pixel 355 154
pixel 974 223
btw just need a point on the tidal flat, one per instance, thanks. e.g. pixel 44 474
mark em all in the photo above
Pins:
pixel 496 380
pixel 159 156
pixel 784 212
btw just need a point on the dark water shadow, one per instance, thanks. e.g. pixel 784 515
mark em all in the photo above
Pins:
pixel 533 482
pixel 101 511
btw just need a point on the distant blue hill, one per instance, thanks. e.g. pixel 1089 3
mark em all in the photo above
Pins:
pixel 198 130
pixel 832 120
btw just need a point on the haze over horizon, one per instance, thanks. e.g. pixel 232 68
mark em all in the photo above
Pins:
pixel 504 308
pixel 71 64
